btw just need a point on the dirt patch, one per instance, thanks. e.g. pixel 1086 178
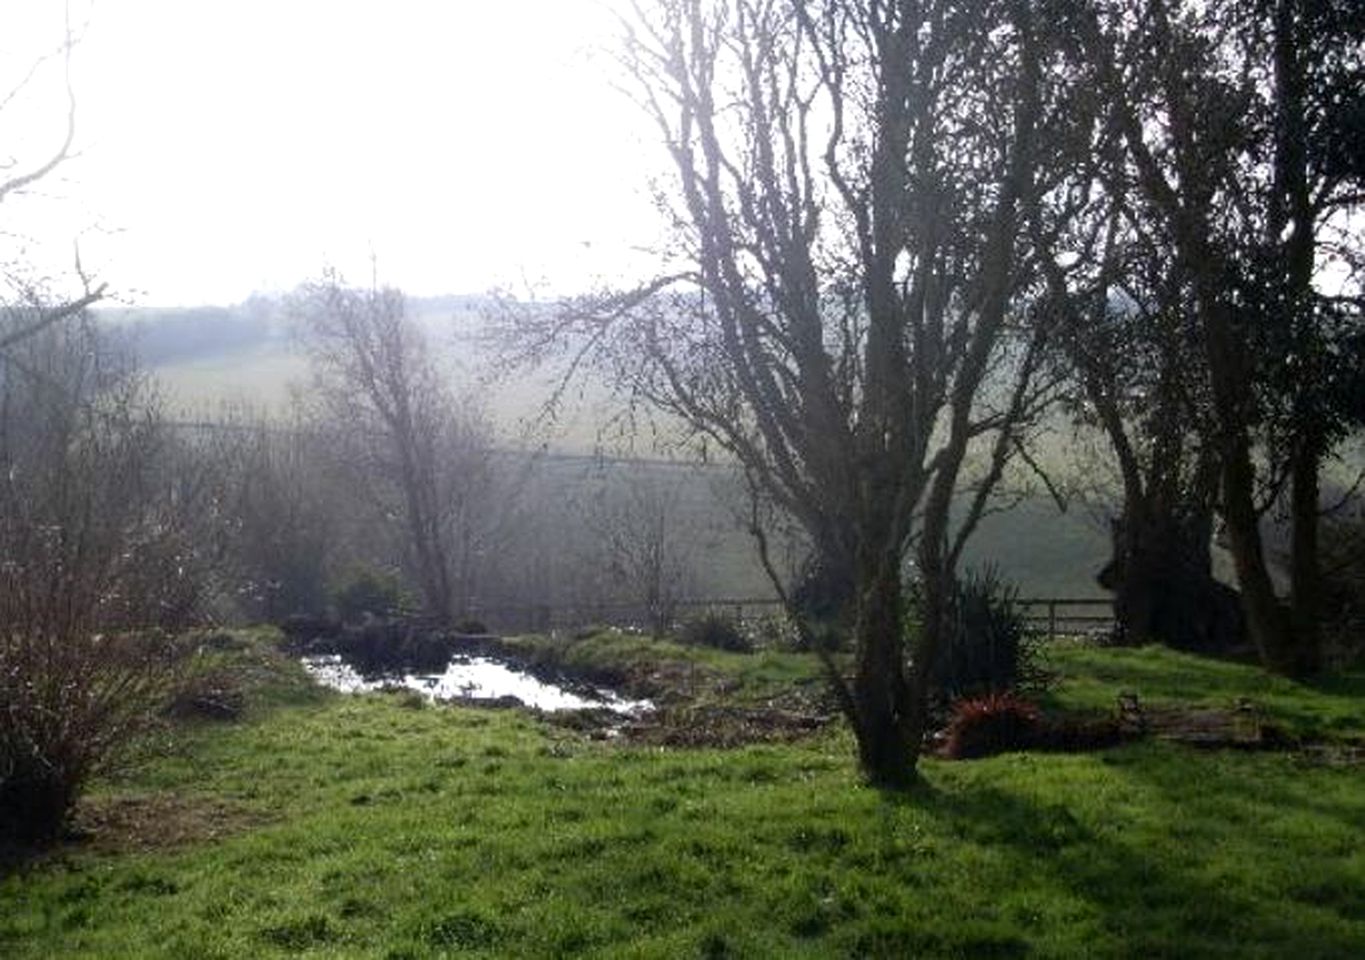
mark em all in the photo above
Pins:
pixel 723 726
pixel 155 821
pixel 696 725
pixel 135 823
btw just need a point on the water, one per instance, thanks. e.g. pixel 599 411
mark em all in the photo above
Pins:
pixel 474 678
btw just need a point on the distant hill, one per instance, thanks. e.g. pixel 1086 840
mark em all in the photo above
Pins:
pixel 207 355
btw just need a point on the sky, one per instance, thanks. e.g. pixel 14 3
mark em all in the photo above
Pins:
pixel 232 148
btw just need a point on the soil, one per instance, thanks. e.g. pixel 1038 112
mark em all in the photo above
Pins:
pixel 137 822
pixel 156 821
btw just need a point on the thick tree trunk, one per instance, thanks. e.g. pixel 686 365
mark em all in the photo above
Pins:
pixel 1291 225
pixel 1234 404
pixel 1164 590
pixel 881 695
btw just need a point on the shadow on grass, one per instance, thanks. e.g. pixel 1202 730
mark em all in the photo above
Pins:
pixel 1240 843
pixel 1309 816
pixel 16 858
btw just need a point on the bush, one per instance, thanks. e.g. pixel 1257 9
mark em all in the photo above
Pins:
pixel 715 630
pixel 990 647
pixel 773 632
pixel 69 704
pixel 100 566
pixel 994 723
pixel 368 591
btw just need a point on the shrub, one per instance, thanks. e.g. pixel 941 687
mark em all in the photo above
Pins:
pixel 368 591
pixel 773 632
pixel 471 627
pixel 283 518
pixel 99 567
pixel 213 693
pixel 715 630
pixel 69 704
pixel 994 723
pixel 989 646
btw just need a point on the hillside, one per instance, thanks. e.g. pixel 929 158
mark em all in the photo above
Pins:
pixel 207 356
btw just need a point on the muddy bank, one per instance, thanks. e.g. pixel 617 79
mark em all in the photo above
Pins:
pixel 655 700
pixel 695 705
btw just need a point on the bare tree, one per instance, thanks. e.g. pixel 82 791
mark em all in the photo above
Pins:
pixel 848 277
pixel 642 532
pixel 421 456
pixel 32 299
pixel 274 509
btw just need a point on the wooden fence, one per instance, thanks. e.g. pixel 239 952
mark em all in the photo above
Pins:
pixel 1054 616
pixel 1064 616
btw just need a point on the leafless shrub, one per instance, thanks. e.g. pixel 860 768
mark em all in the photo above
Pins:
pixel 641 531
pixel 97 569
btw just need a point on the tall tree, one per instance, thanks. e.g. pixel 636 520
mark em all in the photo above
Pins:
pixel 841 315
pixel 1236 122
pixel 1315 118
pixel 1122 315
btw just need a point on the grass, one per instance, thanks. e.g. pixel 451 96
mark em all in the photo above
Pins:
pixel 619 657
pixel 1091 678
pixel 361 827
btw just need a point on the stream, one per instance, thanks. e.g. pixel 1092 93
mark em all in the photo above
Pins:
pixel 475 678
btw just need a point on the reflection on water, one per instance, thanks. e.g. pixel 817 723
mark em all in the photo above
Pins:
pixel 473 678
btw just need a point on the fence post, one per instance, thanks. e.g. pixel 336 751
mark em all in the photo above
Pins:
pixel 1052 620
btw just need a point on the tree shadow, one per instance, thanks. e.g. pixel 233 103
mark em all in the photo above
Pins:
pixel 1152 905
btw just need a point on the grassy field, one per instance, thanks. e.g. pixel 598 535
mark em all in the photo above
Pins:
pixel 332 826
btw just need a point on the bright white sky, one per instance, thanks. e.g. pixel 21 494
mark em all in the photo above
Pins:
pixel 234 147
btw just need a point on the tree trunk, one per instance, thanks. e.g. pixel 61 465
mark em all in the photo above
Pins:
pixel 1290 225
pixel 1164 590
pixel 1305 575
pixel 881 696
pixel 1234 404
pixel 1266 621
pixel 936 588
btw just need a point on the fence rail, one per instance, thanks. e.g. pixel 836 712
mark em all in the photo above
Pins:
pixel 1057 615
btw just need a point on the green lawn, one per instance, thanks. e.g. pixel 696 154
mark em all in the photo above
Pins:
pixel 338 827
pixel 1092 677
